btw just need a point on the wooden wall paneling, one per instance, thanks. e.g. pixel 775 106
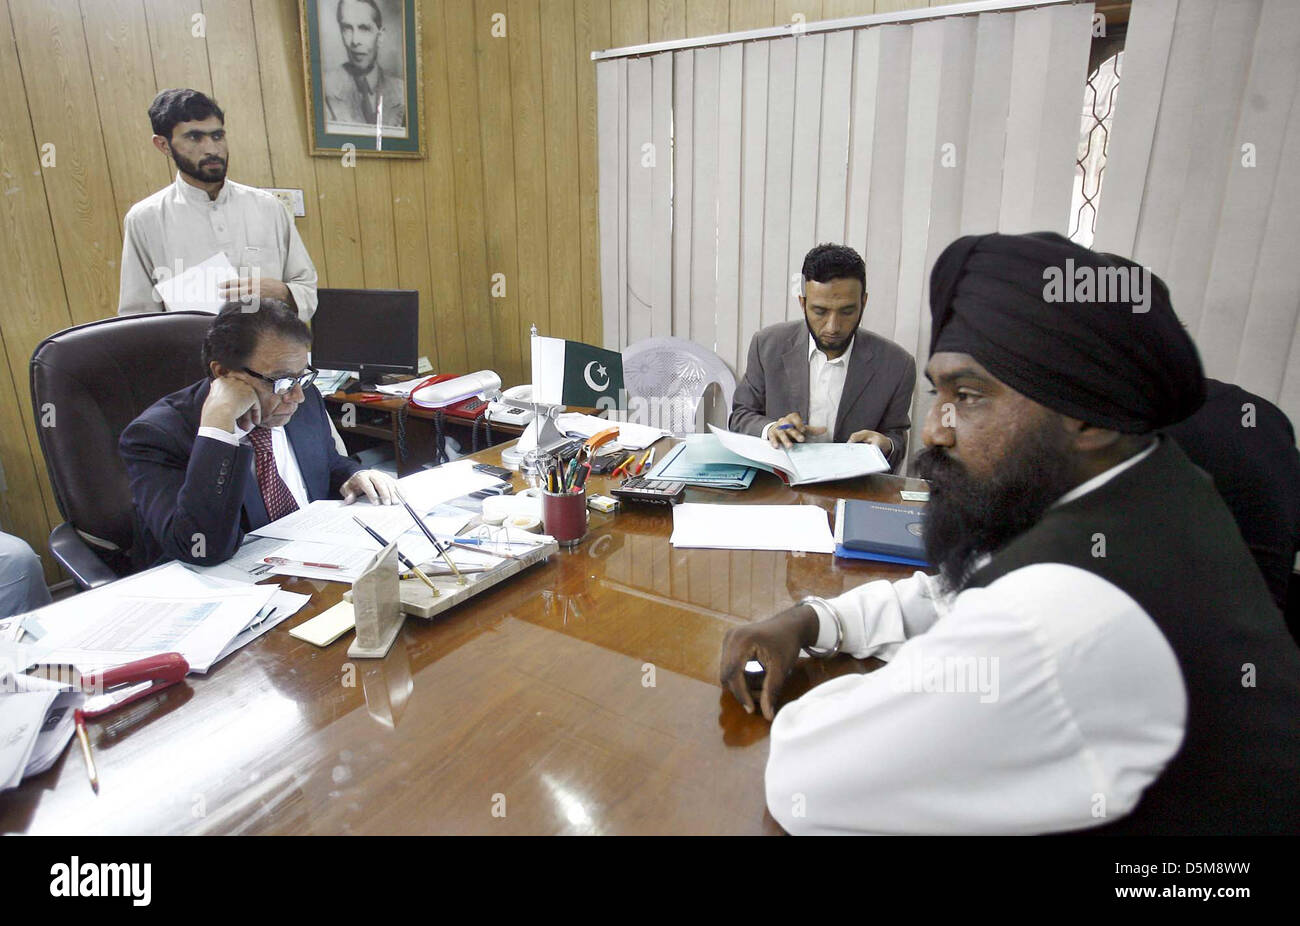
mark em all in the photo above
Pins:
pixel 750 14
pixel 121 63
pixel 531 170
pixel 61 102
pixel 500 228
pixel 461 25
pixel 236 79
pixel 842 9
pixel 591 33
pixel 374 191
pixel 786 10
pixel 336 197
pixel 180 58
pixel 628 22
pixel 706 17
pixel 284 104
pixel 668 20
pixel 35 306
pixel 445 313
pixel 411 238
pixel 894 6
pixel 562 179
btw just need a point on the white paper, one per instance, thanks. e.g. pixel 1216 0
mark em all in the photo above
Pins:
pixel 246 565
pixel 128 627
pixel 198 288
pixel 330 521
pixel 282 606
pixel 808 462
pixel 752 527
pixel 631 436
pixel 431 487
pixel 23 749
pixel 350 560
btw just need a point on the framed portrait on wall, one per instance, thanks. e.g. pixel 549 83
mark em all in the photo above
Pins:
pixel 361 63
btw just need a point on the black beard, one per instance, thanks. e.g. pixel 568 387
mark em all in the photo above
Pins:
pixel 843 346
pixel 212 174
pixel 966 518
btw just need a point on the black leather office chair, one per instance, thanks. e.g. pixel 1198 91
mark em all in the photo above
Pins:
pixel 88 383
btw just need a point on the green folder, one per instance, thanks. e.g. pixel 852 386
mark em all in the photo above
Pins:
pixel 701 460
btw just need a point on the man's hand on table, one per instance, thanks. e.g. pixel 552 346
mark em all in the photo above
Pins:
pixel 775 643
pixel 379 487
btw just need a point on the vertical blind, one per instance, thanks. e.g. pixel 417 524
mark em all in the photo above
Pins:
pixel 722 165
pixel 1203 179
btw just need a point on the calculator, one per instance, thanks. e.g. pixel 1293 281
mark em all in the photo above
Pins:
pixel 653 491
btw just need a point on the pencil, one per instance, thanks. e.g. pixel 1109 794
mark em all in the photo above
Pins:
pixel 91 772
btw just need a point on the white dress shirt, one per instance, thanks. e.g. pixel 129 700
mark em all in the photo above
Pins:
pixel 286 464
pixel 179 222
pixel 825 387
pixel 1047 701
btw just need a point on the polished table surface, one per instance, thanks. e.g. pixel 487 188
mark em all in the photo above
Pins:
pixel 580 696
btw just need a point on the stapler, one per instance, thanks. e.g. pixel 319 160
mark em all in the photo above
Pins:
pixel 120 685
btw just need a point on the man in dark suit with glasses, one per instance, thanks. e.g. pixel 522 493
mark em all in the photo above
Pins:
pixel 244 447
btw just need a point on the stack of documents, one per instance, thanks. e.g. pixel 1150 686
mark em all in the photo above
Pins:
pixel 808 462
pixel 631 436
pixel 752 527
pixel 701 460
pixel 36 722
pixel 167 609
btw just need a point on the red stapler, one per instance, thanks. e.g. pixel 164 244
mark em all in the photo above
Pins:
pixel 112 688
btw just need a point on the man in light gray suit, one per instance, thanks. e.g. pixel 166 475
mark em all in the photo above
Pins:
pixel 824 378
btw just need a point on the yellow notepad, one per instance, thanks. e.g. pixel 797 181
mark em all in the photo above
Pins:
pixel 328 626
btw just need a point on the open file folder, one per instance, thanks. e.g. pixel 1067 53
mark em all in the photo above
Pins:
pixel 701 460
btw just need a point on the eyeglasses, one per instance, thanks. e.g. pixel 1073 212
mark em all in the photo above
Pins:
pixel 284 385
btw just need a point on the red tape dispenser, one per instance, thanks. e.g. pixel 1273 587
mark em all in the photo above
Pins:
pixel 120 685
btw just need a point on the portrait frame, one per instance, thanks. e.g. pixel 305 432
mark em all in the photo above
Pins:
pixel 330 123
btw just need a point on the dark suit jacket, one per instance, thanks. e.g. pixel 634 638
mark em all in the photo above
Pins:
pixel 1256 470
pixel 877 387
pixel 183 486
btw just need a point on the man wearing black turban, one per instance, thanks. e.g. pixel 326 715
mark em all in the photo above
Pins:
pixel 1099 649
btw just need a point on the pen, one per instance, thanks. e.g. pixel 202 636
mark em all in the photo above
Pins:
pixel 85 750
pixel 581 478
pixel 784 427
pixel 641 466
pixel 479 547
pixel 281 561
pixel 432 539
pixel 405 561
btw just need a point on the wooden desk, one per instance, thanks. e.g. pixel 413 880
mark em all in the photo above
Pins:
pixel 579 697
pixel 416 430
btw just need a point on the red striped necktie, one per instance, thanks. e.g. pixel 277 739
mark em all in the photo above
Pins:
pixel 279 500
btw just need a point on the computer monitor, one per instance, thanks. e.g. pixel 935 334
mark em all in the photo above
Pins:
pixel 369 331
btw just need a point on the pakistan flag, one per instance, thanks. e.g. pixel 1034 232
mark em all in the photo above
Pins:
pixel 573 373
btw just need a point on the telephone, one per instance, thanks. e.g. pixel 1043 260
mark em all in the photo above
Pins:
pixel 514 407
pixel 473 407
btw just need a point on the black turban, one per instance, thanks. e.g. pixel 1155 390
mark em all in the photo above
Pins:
pixel 1094 338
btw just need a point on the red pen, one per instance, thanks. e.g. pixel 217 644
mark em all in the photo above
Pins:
pixel 281 561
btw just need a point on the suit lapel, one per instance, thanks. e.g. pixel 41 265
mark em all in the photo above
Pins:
pixel 309 453
pixel 859 374
pixel 795 365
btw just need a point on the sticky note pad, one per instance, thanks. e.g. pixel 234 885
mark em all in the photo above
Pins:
pixel 328 626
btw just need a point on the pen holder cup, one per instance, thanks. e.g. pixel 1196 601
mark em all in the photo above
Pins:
pixel 564 516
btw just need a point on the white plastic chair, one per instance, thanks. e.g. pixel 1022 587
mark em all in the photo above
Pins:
pixel 676 369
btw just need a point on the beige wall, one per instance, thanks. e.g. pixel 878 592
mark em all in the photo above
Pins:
pixel 508 184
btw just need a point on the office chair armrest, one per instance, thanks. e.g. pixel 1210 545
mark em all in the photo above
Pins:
pixel 79 558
